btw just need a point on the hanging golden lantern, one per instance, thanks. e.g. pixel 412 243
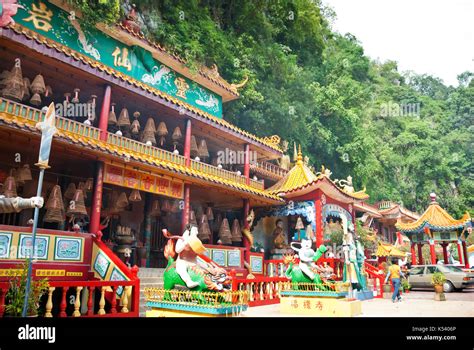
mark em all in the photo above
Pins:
pixel 162 132
pixel 75 99
pixel 209 214
pixel 9 187
pixel 14 87
pixel 236 233
pixel 204 232
pixel 112 119
pixel 149 132
pixel 37 88
pixel 70 191
pixel 55 200
pixel 77 206
pixel 135 128
pixel 199 211
pixel 224 233
pixel 124 120
pixel 155 208
pixel 202 150
pixel 299 224
pixel 89 184
pixel 55 206
pixel 135 196
pixel 192 218
pixel 122 201
pixel 194 147
pixel 176 137
pixel 24 173
pixel 82 186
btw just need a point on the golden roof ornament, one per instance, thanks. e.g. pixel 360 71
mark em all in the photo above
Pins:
pixel 235 87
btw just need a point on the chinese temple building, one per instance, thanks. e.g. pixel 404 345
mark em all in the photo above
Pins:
pixel 381 218
pixel 436 226
pixel 141 145
pixel 314 207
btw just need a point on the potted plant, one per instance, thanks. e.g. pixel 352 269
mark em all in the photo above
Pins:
pixel 405 285
pixel 437 280
pixel 15 296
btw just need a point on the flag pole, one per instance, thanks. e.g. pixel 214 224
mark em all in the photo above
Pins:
pixel 48 129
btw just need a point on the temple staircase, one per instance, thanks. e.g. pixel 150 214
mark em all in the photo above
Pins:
pixel 149 278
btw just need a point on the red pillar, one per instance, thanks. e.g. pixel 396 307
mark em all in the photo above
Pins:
pixel 445 252
pixel 247 164
pixel 420 254
pixel 432 252
pixel 246 225
pixel 187 143
pixel 413 254
pixel 185 214
pixel 97 199
pixel 104 113
pixel 460 253
pixel 319 222
pixel 465 256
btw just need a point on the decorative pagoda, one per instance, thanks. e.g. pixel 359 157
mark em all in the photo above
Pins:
pixel 436 226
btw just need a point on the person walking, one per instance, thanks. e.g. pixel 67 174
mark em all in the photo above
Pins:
pixel 394 272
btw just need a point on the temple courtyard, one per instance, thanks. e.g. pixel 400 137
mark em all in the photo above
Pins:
pixel 419 303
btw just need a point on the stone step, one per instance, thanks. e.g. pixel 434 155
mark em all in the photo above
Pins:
pixel 150 272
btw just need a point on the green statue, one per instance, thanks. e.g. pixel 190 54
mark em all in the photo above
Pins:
pixel 305 271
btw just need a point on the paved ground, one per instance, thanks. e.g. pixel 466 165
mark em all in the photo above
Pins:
pixel 418 303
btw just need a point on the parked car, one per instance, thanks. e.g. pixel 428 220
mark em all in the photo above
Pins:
pixel 419 276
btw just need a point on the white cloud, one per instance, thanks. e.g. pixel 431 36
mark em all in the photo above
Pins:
pixel 427 36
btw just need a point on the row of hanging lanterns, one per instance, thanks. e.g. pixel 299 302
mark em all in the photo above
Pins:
pixel 16 87
pixel 123 126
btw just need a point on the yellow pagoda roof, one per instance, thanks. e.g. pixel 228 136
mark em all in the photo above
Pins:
pixel 435 218
pixel 385 249
pixel 301 180
pixel 298 177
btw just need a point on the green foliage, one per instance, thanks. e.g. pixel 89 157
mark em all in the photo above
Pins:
pixel 15 296
pixel 105 11
pixel 438 279
pixel 405 284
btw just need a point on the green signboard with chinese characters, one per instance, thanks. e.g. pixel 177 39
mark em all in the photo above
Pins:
pixel 60 26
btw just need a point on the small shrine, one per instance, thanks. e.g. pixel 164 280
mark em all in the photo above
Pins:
pixel 436 226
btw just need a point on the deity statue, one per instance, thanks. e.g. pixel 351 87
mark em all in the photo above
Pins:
pixel 279 239
pixel 285 161
pixel 353 257
pixel 347 184
pixel 17 204
pixel 306 254
pixel 183 268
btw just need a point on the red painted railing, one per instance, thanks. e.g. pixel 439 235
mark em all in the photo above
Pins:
pixel 262 290
pixel 376 277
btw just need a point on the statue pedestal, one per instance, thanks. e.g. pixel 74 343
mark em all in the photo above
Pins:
pixel 177 309
pixel 320 306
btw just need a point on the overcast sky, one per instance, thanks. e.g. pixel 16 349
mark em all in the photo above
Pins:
pixel 425 36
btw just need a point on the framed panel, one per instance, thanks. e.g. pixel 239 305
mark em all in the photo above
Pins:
pixel 66 248
pixel 5 244
pixel 41 246
pixel 256 264
pixel 118 276
pixel 219 256
pixel 233 258
pixel 101 264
